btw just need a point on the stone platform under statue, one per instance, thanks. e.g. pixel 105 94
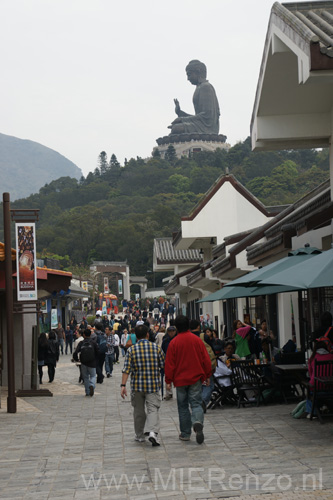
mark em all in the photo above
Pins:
pixel 186 144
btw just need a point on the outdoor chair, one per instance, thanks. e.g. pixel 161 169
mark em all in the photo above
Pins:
pixel 322 392
pixel 248 381
pixel 222 395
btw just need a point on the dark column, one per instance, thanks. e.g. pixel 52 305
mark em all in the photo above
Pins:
pixel 11 399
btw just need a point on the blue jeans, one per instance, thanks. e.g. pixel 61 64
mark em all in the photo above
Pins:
pixel 207 391
pixel 89 377
pixel 109 360
pixel 61 345
pixel 189 395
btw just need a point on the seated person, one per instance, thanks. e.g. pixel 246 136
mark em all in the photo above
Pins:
pixel 288 348
pixel 229 353
pixel 320 353
pixel 263 332
pixel 266 346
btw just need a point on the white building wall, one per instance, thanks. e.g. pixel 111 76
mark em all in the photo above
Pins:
pixel 228 212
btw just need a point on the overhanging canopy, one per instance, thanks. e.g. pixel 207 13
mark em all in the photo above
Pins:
pixel 235 292
pixel 255 277
pixel 316 273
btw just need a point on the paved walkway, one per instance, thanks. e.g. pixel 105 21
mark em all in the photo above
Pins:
pixel 73 447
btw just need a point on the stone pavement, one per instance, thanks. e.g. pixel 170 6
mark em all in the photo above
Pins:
pixel 73 447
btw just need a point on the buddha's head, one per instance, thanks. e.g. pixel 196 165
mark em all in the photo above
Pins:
pixel 196 72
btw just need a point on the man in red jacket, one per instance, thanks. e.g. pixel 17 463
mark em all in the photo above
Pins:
pixel 187 366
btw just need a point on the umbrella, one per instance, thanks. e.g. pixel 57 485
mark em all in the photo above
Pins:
pixel 234 292
pixel 314 273
pixel 256 277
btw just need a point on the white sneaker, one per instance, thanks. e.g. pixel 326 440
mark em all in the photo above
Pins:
pixel 140 440
pixel 153 439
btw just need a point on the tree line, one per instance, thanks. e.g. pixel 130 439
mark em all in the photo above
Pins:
pixel 116 211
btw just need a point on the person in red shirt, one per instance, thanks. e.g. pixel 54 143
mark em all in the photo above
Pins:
pixel 188 366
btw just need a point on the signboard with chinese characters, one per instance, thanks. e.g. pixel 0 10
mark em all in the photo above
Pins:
pixel 25 235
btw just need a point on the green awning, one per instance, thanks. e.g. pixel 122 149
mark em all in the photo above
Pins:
pixel 245 291
pixel 315 273
pixel 294 257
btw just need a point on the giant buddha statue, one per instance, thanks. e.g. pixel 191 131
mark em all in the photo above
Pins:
pixel 206 106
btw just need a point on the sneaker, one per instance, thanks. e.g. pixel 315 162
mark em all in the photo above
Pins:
pixel 197 427
pixel 167 397
pixel 91 390
pixel 153 439
pixel 108 375
pixel 309 416
pixel 184 438
pixel 140 440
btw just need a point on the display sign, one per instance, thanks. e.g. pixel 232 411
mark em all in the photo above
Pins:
pixel 84 285
pixel 54 318
pixel 43 306
pixel 106 285
pixel 26 261
pixel 104 311
pixel 120 287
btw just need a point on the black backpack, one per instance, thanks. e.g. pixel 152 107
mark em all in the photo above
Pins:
pixel 87 353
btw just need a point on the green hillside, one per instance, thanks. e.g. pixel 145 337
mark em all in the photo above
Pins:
pixel 25 166
pixel 117 211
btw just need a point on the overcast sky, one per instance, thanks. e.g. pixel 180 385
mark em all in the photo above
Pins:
pixel 83 76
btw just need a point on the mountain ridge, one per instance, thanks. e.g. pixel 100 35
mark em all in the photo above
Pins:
pixel 31 165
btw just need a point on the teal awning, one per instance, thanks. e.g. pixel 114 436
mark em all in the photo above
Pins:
pixel 294 257
pixel 315 273
pixel 245 291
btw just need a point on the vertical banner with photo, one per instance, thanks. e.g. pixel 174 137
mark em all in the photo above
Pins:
pixel 26 261
pixel 120 287
pixel 84 285
pixel 106 285
pixel 54 318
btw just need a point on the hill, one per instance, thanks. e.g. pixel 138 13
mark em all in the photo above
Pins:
pixel 116 211
pixel 25 166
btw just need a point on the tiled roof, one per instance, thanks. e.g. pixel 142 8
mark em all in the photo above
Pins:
pixel 314 19
pixel 165 253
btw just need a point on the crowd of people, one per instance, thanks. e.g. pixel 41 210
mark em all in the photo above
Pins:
pixel 173 356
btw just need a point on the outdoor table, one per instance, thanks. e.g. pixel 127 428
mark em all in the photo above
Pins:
pixel 298 371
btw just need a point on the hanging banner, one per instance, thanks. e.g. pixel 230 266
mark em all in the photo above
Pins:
pixel 106 285
pixel 120 287
pixel 54 318
pixel 84 285
pixel 104 311
pixel 43 306
pixel 26 261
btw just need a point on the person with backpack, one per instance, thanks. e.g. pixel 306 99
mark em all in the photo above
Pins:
pixel 52 355
pixel 87 353
pixel 110 351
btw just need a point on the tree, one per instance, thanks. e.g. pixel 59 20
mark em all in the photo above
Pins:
pixel 103 162
pixel 156 153
pixel 170 154
pixel 114 162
